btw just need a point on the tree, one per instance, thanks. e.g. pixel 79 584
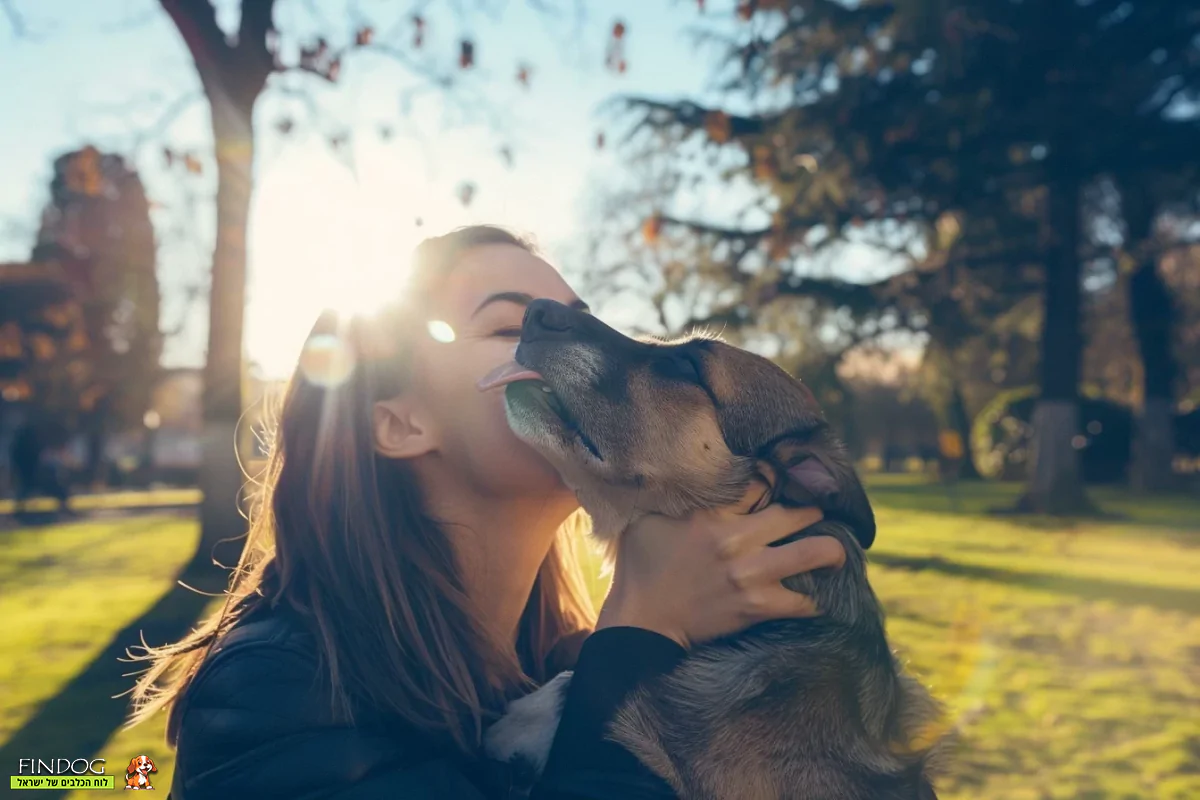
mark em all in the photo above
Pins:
pixel 237 61
pixel 235 68
pixel 43 343
pixel 932 113
pixel 96 228
pixel 1153 314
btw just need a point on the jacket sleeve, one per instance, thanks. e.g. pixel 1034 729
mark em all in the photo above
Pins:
pixel 254 727
pixel 583 764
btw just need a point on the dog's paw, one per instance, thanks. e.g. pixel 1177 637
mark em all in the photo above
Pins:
pixel 527 729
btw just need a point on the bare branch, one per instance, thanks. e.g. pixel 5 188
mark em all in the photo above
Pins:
pixel 131 22
pixel 256 22
pixel 165 120
pixel 196 21
pixel 15 20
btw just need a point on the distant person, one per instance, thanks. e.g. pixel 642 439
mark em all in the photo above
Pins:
pixel 25 457
pixel 55 481
pixel 413 569
pixel 37 465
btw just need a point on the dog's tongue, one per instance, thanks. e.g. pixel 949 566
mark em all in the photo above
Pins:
pixel 506 374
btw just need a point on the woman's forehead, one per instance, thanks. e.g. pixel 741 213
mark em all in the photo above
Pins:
pixel 484 272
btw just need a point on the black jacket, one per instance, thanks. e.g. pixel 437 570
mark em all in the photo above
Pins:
pixel 254 725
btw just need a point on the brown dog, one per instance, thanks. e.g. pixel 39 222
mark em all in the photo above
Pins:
pixel 137 774
pixel 815 708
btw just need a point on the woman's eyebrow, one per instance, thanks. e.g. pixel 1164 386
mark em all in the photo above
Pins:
pixel 521 299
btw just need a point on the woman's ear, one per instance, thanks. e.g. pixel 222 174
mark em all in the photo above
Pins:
pixel 401 429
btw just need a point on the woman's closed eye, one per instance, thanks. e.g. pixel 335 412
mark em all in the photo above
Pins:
pixel 509 332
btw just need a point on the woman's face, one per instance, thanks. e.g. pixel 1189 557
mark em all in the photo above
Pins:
pixel 483 302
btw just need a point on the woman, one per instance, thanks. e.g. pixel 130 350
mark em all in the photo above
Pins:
pixel 411 569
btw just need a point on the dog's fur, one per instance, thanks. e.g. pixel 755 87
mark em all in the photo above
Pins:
pixel 815 708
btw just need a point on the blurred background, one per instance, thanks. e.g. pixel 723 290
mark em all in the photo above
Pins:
pixel 972 226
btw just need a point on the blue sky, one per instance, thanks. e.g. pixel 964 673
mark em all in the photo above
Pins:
pixel 321 232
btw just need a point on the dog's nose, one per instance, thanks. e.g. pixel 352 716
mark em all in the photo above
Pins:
pixel 546 320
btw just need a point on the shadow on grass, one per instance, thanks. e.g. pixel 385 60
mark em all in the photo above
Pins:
pixel 1164 597
pixel 77 721
pixel 1177 512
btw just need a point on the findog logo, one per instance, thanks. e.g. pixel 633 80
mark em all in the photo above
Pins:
pixel 61 773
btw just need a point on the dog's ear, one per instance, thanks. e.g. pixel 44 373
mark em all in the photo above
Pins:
pixel 756 401
pixel 818 472
pixel 150 761
pixel 132 768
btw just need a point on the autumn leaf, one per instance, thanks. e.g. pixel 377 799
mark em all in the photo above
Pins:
pixel 334 69
pixel 523 73
pixel 43 346
pixel 764 166
pixel 778 248
pixel 192 164
pixel 466 54
pixel 652 228
pixel 364 36
pixel 83 175
pixel 717 126
pixel 614 57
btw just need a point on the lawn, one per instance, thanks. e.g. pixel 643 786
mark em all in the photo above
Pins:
pixel 1068 655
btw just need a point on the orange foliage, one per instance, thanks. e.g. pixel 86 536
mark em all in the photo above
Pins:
pixel 718 126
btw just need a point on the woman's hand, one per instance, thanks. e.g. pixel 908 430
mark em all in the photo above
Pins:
pixel 713 573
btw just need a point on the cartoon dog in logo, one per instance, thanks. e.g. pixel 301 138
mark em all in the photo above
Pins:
pixel 137 774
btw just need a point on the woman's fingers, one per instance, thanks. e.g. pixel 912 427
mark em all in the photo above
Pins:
pixel 772 524
pixel 806 555
pixel 777 602
pixel 768 566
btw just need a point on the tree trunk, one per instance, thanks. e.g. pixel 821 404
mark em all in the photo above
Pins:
pixel 1152 315
pixel 1055 483
pixel 95 474
pixel 959 420
pixel 222 526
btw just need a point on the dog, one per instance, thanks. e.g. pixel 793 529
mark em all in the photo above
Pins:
pixel 795 709
pixel 137 774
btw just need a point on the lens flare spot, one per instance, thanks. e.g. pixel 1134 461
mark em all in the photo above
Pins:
pixel 440 331
pixel 326 360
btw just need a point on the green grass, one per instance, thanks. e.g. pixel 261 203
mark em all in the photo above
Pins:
pixel 1068 655
pixel 134 498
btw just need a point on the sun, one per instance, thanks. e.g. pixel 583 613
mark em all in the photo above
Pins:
pixel 320 240
pixel 324 236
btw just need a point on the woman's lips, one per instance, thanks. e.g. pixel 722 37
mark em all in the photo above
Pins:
pixel 505 374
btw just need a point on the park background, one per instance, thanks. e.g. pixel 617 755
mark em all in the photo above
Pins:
pixel 972 226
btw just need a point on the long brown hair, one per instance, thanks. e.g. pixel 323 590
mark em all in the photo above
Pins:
pixel 341 535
